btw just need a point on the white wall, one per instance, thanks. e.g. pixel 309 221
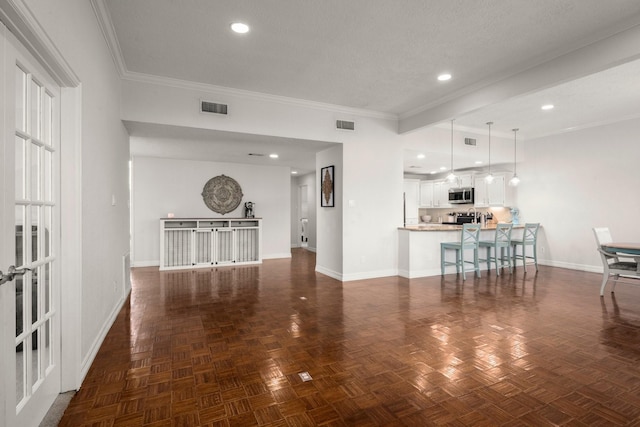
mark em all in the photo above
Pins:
pixel 329 250
pixel 161 186
pixel 308 180
pixel 372 168
pixel 580 180
pixel 73 28
pixel 372 202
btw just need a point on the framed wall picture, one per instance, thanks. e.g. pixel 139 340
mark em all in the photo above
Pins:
pixel 327 187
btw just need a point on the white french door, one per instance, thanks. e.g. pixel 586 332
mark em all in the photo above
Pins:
pixel 29 220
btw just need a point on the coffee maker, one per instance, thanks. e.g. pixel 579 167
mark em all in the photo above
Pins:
pixel 248 209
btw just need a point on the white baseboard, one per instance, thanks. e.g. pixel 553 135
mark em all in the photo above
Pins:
pixel 419 273
pixel 276 256
pixel 95 346
pixel 154 263
pixel 145 263
pixel 356 276
pixel 572 266
pixel 309 248
pixel 330 273
pixel 369 275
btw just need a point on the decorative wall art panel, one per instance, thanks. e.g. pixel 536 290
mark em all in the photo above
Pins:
pixel 326 187
pixel 222 194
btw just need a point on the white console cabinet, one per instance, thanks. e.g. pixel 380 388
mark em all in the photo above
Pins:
pixel 207 242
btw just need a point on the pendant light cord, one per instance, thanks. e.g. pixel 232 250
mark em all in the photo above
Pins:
pixel 489 123
pixel 452 145
pixel 515 148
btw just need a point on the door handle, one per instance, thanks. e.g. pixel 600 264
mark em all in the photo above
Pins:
pixel 12 273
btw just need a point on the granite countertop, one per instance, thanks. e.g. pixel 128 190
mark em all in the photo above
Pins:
pixel 446 227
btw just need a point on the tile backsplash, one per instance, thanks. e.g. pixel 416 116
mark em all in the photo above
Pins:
pixel 499 214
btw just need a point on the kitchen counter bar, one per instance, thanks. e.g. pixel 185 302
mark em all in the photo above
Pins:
pixel 447 227
pixel 419 247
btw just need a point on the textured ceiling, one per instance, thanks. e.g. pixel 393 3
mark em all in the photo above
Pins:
pixel 384 56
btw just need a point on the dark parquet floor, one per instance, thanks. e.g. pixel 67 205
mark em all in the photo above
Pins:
pixel 225 347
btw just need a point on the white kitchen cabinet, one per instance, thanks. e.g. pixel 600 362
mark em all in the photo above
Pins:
pixel 496 191
pixel 441 194
pixel 426 194
pixel 489 194
pixel 466 180
pixel 411 201
pixel 209 242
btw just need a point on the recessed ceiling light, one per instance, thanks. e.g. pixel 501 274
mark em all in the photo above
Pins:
pixel 420 156
pixel 433 172
pixel 547 107
pixel 478 162
pixel 444 77
pixel 273 156
pixel 294 172
pixel 240 28
pixel 443 168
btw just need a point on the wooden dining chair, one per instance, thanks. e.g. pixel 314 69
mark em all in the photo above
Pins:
pixel 501 242
pixel 612 263
pixel 468 240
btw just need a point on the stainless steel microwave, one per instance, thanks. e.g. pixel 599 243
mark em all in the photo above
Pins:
pixel 461 195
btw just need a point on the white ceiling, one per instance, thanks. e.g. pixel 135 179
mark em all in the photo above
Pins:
pixel 384 56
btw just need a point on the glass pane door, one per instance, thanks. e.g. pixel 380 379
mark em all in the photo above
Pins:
pixel 34 210
pixel 30 138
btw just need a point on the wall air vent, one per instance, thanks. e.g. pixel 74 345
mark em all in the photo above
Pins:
pixel 213 107
pixel 469 141
pixel 345 125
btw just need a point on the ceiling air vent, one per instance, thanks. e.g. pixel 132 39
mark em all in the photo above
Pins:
pixel 213 107
pixel 469 141
pixel 343 124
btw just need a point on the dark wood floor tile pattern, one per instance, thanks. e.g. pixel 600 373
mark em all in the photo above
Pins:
pixel 224 347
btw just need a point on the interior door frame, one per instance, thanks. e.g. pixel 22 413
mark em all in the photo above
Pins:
pixel 20 21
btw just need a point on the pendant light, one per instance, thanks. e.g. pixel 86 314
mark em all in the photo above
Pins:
pixel 489 178
pixel 514 181
pixel 451 177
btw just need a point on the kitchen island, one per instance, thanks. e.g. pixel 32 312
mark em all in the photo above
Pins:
pixel 419 247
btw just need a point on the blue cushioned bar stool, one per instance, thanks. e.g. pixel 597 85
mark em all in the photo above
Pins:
pixel 468 240
pixel 501 242
pixel 529 238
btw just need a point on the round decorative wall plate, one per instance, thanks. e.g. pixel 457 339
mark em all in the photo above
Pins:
pixel 222 194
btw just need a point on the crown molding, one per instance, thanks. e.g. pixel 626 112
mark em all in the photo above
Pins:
pixel 595 56
pixel 106 26
pixel 258 96
pixel 108 31
pixel 591 125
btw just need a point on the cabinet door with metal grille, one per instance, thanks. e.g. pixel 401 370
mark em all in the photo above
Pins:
pixel 203 247
pixel 224 246
pixel 247 244
pixel 177 244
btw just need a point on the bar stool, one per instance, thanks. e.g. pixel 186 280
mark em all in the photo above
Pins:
pixel 529 238
pixel 468 240
pixel 501 241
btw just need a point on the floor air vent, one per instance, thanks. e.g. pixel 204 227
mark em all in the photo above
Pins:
pixel 213 107
pixel 343 124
